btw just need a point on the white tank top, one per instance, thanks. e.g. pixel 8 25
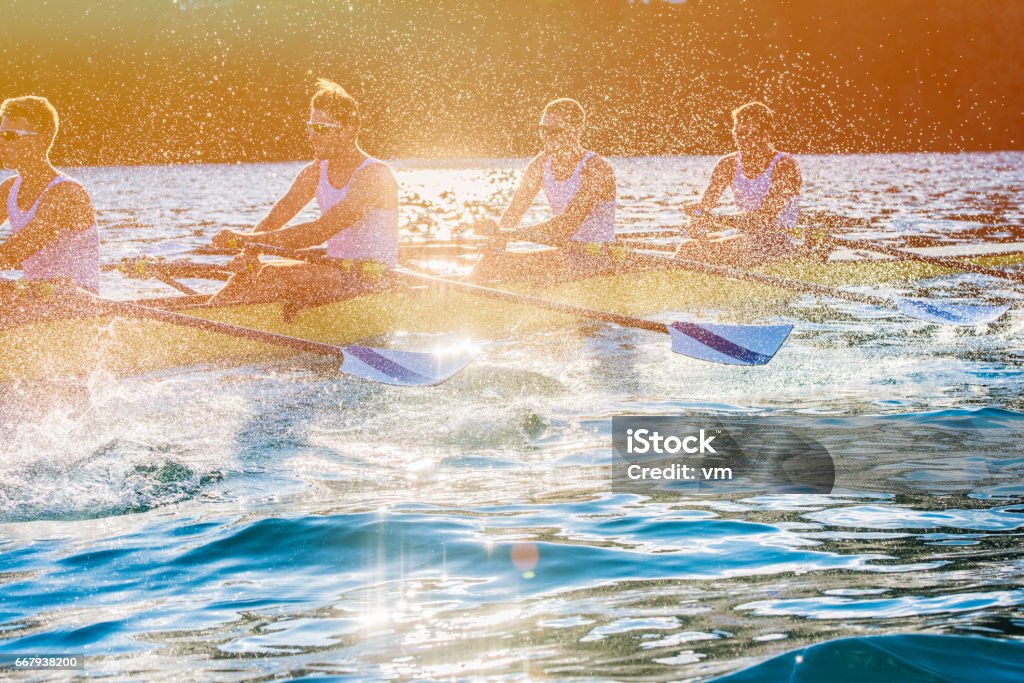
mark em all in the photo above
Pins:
pixel 749 193
pixel 71 254
pixel 374 236
pixel 599 225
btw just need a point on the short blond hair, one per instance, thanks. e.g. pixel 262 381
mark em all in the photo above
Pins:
pixel 569 109
pixel 757 113
pixel 334 100
pixel 36 110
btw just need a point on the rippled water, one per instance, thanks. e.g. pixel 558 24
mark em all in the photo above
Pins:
pixel 280 520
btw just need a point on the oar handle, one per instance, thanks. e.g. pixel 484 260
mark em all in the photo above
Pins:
pixel 944 261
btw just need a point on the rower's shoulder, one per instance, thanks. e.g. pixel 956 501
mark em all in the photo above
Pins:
pixel 598 165
pixel 380 170
pixel 68 192
pixel 68 204
pixel 726 164
pixel 787 162
pixel 787 167
pixel 598 161
pixel 536 164
pixel 307 178
pixel 728 159
pixel 377 177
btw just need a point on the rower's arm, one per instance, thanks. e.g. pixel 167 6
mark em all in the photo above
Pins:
pixel 721 178
pixel 301 192
pixel 67 209
pixel 597 184
pixel 786 183
pixel 373 188
pixel 5 191
pixel 527 191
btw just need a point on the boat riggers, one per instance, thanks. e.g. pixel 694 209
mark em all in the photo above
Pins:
pixel 385 366
pixel 711 342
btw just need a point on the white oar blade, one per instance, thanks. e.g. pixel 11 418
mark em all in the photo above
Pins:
pixel 728 344
pixel 950 314
pixel 404 368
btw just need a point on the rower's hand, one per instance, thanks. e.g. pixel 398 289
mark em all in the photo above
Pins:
pixel 692 209
pixel 246 262
pixel 497 242
pixel 496 238
pixel 700 220
pixel 486 227
pixel 227 239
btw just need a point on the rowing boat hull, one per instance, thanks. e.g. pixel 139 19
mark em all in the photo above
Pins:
pixel 76 347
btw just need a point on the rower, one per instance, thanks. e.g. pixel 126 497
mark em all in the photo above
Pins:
pixel 580 189
pixel 765 188
pixel 53 225
pixel 358 200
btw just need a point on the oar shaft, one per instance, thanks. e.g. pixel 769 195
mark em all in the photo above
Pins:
pixel 665 233
pixel 639 244
pixel 138 311
pixel 758 278
pixel 171 282
pixel 499 294
pixel 944 261
pixel 512 297
pixel 143 268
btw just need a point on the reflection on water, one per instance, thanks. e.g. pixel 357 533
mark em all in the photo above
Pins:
pixel 281 520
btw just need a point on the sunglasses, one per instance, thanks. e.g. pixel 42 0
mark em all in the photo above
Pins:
pixel 551 130
pixel 10 135
pixel 318 128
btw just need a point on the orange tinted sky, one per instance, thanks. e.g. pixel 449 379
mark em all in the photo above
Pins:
pixel 225 81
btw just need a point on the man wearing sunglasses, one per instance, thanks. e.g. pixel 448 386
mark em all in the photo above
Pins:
pixel 765 186
pixel 358 200
pixel 53 225
pixel 580 189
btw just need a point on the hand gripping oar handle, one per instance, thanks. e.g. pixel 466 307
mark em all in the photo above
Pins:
pixel 944 261
pixel 145 267
pixel 167 271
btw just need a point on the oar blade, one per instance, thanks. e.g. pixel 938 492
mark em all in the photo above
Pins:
pixel 405 368
pixel 932 311
pixel 728 344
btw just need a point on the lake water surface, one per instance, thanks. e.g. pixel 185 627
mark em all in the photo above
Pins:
pixel 276 521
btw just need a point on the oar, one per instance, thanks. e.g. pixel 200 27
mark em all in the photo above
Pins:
pixel 922 309
pixel 944 261
pixel 712 342
pixel 834 221
pixel 167 272
pixel 386 366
